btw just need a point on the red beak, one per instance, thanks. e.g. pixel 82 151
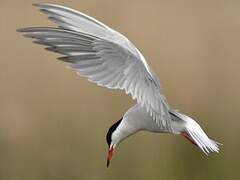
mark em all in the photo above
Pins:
pixel 110 155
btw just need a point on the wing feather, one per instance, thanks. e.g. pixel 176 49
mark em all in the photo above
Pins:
pixel 103 55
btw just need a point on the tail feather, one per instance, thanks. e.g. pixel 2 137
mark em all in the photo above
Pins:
pixel 197 135
pixel 206 144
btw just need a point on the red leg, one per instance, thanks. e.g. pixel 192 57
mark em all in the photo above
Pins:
pixel 184 134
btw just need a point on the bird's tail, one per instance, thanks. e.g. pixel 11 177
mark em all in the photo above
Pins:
pixel 195 134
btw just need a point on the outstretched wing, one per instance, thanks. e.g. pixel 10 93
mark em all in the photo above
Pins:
pixel 103 55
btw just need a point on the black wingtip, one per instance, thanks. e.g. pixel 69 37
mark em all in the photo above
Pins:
pixel 20 29
pixel 26 29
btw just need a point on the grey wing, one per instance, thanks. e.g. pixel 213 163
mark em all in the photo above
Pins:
pixel 103 55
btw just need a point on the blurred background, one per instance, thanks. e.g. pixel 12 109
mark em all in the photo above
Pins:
pixel 53 123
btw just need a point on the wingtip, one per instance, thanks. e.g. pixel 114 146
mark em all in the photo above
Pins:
pixel 25 29
pixel 35 4
pixel 21 30
pixel 38 4
pixel 42 5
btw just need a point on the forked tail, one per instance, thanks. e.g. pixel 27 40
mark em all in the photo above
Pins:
pixel 194 133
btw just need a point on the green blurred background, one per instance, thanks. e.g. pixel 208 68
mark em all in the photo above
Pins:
pixel 53 123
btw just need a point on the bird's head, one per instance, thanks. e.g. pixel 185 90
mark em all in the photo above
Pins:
pixel 112 140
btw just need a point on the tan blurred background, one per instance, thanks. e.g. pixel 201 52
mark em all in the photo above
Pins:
pixel 53 123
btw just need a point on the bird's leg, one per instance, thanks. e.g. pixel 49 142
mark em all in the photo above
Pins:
pixel 184 134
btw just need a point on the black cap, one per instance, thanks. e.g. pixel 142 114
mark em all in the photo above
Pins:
pixel 110 131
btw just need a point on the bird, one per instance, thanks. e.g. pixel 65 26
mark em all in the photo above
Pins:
pixel 107 58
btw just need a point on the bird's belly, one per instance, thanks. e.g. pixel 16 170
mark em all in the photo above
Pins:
pixel 153 127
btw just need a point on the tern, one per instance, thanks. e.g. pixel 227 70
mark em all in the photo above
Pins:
pixel 109 59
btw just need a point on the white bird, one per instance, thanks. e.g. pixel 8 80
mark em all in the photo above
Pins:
pixel 109 59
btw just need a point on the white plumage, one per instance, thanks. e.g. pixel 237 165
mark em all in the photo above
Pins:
pixel 109 59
